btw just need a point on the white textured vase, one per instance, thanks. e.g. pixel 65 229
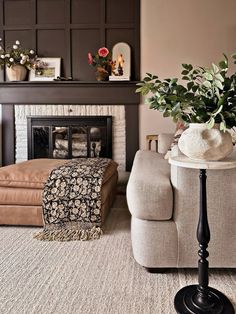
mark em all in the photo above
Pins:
pixel 16 72
pixel 201 143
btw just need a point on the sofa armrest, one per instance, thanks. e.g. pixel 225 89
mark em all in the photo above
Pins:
pixel 164 142
pixel 149 192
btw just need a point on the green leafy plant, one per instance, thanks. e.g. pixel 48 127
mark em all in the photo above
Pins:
pixel 209 95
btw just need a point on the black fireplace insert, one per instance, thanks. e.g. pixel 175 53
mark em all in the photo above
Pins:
pixel 69 137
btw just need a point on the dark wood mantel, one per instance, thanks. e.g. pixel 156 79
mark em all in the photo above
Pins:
pixel 69 92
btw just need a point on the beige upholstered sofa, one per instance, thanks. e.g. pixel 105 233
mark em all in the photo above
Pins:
pixel 164 203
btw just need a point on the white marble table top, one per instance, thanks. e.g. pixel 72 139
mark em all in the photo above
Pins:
pixel 184 161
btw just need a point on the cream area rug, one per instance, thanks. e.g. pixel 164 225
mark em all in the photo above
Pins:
pixel 95 277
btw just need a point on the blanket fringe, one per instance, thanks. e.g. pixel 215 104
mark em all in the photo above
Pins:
pixel 69 235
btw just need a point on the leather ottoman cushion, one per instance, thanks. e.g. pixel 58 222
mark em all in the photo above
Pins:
pixel 34 173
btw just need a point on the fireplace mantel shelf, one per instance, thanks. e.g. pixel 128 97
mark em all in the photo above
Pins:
pixel 69 92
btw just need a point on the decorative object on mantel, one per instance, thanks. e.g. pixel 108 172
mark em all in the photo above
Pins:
pixel 17 60
pixel 208 99
pixel 121 62
pixel 46 69
pixel 102 62
pixel 62 78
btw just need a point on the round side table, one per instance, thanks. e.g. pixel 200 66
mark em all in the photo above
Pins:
pixel 201 298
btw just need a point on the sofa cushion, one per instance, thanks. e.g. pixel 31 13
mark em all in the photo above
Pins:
pixel 164 142
pixel 149 191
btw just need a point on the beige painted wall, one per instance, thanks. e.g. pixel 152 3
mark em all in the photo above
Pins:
pixel 183 31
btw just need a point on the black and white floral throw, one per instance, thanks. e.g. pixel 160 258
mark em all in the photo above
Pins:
pixel 72 201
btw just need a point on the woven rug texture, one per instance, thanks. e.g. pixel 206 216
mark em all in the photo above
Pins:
pixel 96 277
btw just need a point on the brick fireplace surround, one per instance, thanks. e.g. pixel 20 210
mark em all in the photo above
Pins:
pixel 71 93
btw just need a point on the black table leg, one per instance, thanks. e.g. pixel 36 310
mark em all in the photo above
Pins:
pixel 201 298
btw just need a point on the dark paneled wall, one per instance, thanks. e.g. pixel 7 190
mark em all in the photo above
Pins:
pixel 71 28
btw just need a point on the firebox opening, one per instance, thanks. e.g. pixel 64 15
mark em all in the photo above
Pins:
pixel 69 136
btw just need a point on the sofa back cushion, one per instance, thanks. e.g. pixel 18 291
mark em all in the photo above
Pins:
pixel 164 142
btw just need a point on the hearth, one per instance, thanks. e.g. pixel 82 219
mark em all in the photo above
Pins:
pixel 69 136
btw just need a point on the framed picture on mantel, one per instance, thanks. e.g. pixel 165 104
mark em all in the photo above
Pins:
pixel 47 69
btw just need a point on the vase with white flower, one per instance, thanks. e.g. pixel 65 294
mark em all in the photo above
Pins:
pixel 17 60
pixel 102 62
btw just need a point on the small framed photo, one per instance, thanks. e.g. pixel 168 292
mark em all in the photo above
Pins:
pixel 47 69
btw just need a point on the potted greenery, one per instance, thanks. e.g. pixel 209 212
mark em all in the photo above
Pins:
pixel 208 99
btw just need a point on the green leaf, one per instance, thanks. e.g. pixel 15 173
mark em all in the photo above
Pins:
pixel 223 65
pixel 147 79
pixel 211 123
pixel 172 97
pixel 190 85
pixel 185 66
pixel 218 110
pixel 219 77
pixel 215 68
pixel 207 84
pixel 190 67
pixel 208 76
pixel 185 72
pixel 219 84
pixel 144 90
pixel 174 80
pixel 185 78
pixel 226 58
pixel 222 126
pixel 194 88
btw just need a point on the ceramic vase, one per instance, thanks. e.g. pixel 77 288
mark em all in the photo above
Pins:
pixel 101 74
pixel 16 72
pixel 201 143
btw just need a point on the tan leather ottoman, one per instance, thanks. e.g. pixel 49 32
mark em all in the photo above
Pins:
pixel 21 187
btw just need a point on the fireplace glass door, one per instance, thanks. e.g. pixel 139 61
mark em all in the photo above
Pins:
pixel 69 137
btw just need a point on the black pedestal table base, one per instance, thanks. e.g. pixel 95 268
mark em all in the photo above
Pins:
pixel 187 301
pixel 202 299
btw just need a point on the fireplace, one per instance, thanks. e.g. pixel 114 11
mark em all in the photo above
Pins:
pixel 107 117
pixel 69 136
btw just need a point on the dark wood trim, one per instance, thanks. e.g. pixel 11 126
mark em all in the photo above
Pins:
pixel 73 92
pixel 68 60
pixel 34 21
pixel 132 135
pixel 137 40
pixel 8 135
pixel 102 23
pixel 1 18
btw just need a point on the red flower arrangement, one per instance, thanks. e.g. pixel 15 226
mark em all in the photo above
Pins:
pixel 102 62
